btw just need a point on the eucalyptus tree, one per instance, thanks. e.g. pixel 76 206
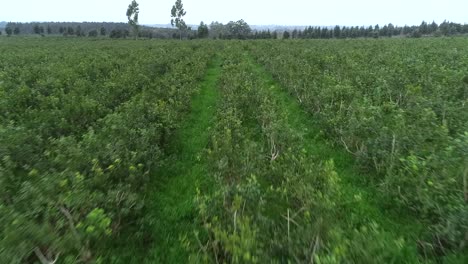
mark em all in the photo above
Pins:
pixel 177 14
pixel 132 15
pixel 203 30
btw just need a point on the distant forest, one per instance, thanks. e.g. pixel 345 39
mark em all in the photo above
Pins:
pixel 232 30
pixel 425 29
pixel 84 29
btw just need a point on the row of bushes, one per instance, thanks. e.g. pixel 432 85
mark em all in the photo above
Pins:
pixel 78 139
pixel 400 107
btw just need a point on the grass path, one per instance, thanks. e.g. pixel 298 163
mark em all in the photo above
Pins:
pixel 370 207
pixel 171 201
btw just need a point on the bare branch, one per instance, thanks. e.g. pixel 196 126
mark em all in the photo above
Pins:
pixel 71 223
pixel 273 151
pixel 235 221
pixel 316 247
pixel 465 184
pixel 346 147
pixel 43 259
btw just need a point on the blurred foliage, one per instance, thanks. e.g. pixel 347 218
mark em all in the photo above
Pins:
pixel 82 126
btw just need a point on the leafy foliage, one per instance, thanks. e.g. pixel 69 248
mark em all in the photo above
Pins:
pixel 276 202
pixel 177 14
pixel 79 136
pixel 132 15
pixel 84 125
pixel 400 108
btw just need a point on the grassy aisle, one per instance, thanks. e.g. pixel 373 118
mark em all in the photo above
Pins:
pixel 171 200
pixel 365 204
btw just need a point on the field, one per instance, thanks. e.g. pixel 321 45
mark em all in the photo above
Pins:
pixel 266 151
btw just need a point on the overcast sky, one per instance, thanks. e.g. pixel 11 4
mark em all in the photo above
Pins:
pixel 254 12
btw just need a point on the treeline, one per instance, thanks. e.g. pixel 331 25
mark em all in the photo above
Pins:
pixel 241 30
pixel 234 30
pixel 425 29
pixel 84 29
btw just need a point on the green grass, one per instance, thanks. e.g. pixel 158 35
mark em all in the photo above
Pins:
pixel 171 208
pixel 372 207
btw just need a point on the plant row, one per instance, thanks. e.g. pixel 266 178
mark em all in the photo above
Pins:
pixel 275 202
pixel 77 147
pixel 400 107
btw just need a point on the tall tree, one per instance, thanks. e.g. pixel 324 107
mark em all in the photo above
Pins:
pixel 377 30
pixel 132 15
pixel 240 29
pixel 294 34
pixel 391 30
pixel 433 27
pixel 8 31
pixel 37 29
pixel 203 30
pixel 217 29
pixel 70 31
pixel 274 35
pixel 79 31
pixel 444 28
pixel 369 31
pixel 177 14
pixel 337 32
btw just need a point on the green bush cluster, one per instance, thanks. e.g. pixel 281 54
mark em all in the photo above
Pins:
pixel 400 107
pixel 275 202
pixel 81 128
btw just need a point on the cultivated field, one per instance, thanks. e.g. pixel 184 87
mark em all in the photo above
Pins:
pixel 266 151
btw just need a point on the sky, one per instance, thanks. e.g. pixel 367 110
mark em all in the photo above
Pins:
pixel 254 12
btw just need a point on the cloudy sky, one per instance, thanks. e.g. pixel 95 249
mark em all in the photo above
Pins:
pixel 255 12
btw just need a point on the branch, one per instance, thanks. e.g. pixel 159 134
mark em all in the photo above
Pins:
pixel 465 183
pixel 235 221
pixel 43 259
pixel 274 152
pixel 346 147
pixel 71 223
pixel 316 246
